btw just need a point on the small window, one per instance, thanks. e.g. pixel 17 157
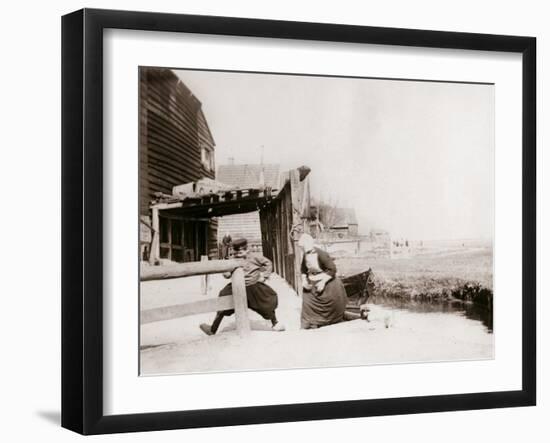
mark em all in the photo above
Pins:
pixel 212 166
pixel 207 159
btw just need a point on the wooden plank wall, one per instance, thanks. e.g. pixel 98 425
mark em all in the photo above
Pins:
pixel 276 223
pixel 245 225
pixel 282 222
pixel 213 238
pixel 144 191
pixel 206 141
pixel 173 130
pixel 172 138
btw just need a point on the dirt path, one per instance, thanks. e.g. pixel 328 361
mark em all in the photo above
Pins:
pixel 178 346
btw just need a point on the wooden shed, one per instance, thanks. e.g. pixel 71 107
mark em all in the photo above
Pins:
pixel 175 147
pixel 283 215
pixel 335 222
pixel 344 223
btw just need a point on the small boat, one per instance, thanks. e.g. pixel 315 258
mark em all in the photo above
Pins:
pixel 359 287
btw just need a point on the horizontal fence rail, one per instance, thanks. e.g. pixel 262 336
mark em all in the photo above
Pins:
pixel 236 301
pixel 183 310
pixel 189 269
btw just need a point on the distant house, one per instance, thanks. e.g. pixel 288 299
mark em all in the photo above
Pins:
pixel 345 221
pixel 246 225
pixel 175 147
pixel 338 222
pixel 379 236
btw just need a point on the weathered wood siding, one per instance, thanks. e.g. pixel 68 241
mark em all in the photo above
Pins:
pixel 277 245
pixel 173 131
pixel 206 142
pixel 282 222
pixel 213 238
pixel 245 225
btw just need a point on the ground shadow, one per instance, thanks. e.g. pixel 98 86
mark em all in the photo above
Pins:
pixel 54 417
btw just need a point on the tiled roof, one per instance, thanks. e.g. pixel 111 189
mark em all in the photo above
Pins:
pixel 248 175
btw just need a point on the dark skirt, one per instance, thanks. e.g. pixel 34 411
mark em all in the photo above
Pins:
pixel 261 299
pixel 325 308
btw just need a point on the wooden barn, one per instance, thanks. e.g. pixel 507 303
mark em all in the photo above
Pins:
pixel 180 198
pixel 246 225
pixel 175 147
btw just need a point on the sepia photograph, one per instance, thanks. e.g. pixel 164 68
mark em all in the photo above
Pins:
pixel 292 221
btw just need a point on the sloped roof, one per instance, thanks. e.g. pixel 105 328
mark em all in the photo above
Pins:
pixel 248 175
pixel 344 217
pixel 186 91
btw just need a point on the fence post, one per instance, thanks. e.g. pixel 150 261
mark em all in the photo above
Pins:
pixel 204 280
pixel 241 305
pixel 154 254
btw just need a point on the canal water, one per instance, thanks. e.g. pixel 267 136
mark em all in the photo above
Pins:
pixel 468 310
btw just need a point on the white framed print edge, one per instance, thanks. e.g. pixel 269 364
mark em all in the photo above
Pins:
pixel 88 322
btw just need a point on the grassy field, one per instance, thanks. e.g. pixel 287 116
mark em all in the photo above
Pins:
pixel 464 273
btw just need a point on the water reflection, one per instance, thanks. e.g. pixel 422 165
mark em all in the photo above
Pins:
pixel 469 310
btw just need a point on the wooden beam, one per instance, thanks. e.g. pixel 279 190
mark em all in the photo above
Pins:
pixel 169 228
pixel 297 194
pixel 295 189
pixel 221 200
pixel 183 310
pixel 175 216
pixel 163 206
pixel 306 201
pixel 241 304
pixel 189 269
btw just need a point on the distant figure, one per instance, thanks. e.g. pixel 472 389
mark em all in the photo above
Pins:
pixel 225 247
pixel 261 298
pixel 324 297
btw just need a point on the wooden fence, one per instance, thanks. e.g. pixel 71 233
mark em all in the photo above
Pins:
pixel 282 222
pixel 237 301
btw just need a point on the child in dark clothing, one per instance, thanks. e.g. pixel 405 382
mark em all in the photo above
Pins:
pixel 261 298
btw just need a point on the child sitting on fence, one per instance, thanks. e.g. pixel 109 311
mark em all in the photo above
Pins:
pixel 260 297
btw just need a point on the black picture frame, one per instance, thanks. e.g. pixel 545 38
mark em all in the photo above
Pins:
pixel 82 218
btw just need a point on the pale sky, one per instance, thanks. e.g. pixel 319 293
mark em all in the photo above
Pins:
pixel 415 158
